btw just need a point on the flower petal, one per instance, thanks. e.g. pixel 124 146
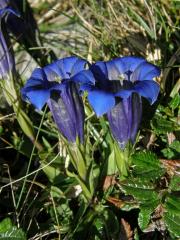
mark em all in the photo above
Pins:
pixel 84 77
pixel 38 73
pixel 64 68
pixel 148 89
pixel 101 101
pixel 99 68
pixel 124 93
pixel 112 70
pixel 100 72
pixel 145 71
pixel 68 111
pixel 38 98
pixel 136 106
pixel 78 66
pixel 128 63
pixel 119 124
pixel 62 116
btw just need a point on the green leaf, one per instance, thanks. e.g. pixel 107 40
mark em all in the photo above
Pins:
pixel 172 222
pixel 144 217
pixel 122 159
pixel 146 165
pixel 175 102
pixel 140 189
pixel 146 209
pixel 172 204
pixel 175 183
pixel 10 232
pixel 13 234
pixel 175 89
pixel 162 125
pixel 175 145
pixel 173 150
pixel 5 225
pixel 172 214
pixel 62 211
pixel 92 177
pixel 111 164
pixel 168 153
pixel 51 172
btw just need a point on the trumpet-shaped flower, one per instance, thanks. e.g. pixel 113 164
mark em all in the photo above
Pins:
pixel 119 86
pixel 55 84
pixel 7 63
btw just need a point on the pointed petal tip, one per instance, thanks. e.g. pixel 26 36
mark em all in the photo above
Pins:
pixel 101 101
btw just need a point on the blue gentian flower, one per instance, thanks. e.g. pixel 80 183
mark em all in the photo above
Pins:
pixel 56 85
pixel 7 63
pixel 119 86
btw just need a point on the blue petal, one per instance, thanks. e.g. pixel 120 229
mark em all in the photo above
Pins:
pixel 73 65
pixel 99 68
pixel 38 98
pixel 145 71
pixel 119 124
pixel 124 93
pixel 129 63
pixel 100 72
pixel 148 89
pixel 68 111
pixel 53 71
pixel 38 73
pixel 84 77
pixel 79 65
pixel 33 83
pixel 113 70
pixel 101 101
pixel 62 118
pixel 64 68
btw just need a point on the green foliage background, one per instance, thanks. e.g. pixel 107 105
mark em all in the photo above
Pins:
pixel 39 198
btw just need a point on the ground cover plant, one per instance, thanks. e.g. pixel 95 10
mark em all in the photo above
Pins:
pixel 89 119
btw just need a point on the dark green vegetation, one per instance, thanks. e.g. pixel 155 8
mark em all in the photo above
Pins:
pixel 39 195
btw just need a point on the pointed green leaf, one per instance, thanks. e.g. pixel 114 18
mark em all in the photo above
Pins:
pixel 172 222
pixel 146 209
pixel 161 125
pixel 175 183
pixel 10 232
pixel 175 102
pixel 5 225
pixel 51 172
pixel 172 214
pixel 146 165
pixel 140 189
pixel 144 217
pixel 111 164
pixel 13 234
pixel 172 204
